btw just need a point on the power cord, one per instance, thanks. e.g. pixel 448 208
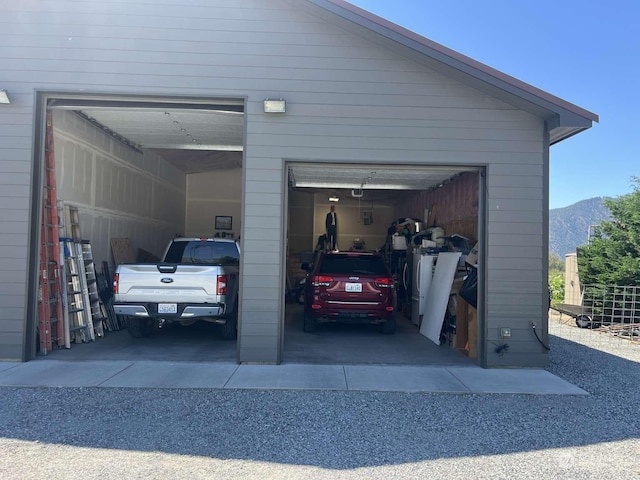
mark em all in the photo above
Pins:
pixel 501 349
pixel 533 326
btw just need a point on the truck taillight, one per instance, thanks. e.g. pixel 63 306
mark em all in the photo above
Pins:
pixel 222 285
pixel 116 282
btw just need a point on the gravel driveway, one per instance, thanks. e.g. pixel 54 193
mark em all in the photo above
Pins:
pixel 99 433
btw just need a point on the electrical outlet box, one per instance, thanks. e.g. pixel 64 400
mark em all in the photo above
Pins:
pixel 505 332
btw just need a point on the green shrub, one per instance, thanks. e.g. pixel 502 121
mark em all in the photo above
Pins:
pixel 556 286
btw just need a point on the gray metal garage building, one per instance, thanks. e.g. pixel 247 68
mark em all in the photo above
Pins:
pixel 161 124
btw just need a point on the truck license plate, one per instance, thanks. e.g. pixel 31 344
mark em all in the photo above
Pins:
pixel 353 287
pixel 167 308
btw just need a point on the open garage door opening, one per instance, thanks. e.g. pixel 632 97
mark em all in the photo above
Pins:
pixel 423 221
pixel 131 175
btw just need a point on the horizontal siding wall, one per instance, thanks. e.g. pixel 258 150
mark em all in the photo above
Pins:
pixel 262 259
pixel 516 257
pixel 16 125
pixel 348 100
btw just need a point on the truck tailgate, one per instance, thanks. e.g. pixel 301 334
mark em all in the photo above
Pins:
pixel 189 283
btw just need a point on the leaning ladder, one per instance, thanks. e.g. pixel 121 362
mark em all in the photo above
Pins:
pixel 80 329
pixel 50 302
pixel 92 297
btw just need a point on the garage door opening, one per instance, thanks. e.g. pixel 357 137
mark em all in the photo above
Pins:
pixel 131 175
pixel 409 215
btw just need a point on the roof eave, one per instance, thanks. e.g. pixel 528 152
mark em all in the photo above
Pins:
pixel 563 126
pixel 559 134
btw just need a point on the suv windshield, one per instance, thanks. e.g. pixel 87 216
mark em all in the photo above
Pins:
pixel 197 252
pixel 349 264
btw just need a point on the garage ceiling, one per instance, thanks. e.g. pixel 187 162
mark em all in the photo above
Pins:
pixel 198 137
pixel 175 129
pixel 194 137
pixel 191 140
pixel 369 177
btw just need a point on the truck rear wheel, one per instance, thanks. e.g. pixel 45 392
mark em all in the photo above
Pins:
pixel 140 327
pixel 230 327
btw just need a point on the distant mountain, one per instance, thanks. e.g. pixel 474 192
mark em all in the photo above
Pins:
pixel 569 226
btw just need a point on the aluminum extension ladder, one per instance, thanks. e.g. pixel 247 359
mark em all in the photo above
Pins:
pixel 79 328
pixel 98 315
pixel 50 297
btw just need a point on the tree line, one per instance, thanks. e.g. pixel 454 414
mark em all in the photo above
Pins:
pixel 612 256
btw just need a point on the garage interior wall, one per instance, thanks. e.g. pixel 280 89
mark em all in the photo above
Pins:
pixel 307 213
pixel 453 206
pixel 301 214
pixel 119 192
pixel 350 224
pixel 211 194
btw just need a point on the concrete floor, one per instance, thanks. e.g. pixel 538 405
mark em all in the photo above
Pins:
pixel 331 344
pixel 336 357
pixel 364 344
pixel 46 372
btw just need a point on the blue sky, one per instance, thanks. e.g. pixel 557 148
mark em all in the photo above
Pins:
pixel 586 52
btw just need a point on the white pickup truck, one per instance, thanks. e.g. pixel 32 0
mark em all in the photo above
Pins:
pixel 198 280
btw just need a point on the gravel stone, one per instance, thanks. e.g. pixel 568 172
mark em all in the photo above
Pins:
pixel 104 433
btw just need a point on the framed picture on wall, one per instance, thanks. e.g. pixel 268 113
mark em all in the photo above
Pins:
pixel 223 222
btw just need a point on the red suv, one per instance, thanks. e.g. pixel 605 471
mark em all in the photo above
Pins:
pixel 353 287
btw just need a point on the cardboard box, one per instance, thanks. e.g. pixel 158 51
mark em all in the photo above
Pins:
pixel 472 327
pixel 457 284
pixel 472 258
pixel 466 328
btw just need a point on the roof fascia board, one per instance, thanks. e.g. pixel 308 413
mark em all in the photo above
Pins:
pixel 567 111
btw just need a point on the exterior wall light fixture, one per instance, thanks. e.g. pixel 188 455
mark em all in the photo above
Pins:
pixel 4 98
pixel 274 106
